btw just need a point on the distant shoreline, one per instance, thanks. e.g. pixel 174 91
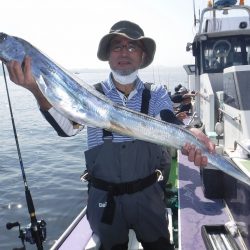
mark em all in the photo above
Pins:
pixel 169 76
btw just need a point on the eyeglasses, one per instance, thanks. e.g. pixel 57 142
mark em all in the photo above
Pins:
pixel 131 47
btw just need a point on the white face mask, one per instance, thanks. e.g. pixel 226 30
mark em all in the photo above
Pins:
pixel 124 79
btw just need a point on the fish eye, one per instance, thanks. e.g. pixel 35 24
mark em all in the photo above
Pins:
pixel 3 36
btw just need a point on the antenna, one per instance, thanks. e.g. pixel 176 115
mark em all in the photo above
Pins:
pixel 195 20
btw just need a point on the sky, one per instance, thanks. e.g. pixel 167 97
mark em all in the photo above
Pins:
pixel 69 31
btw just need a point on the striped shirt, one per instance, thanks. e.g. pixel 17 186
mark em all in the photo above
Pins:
pixel 159 101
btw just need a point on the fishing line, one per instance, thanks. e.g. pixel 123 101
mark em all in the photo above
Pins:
pixel 14 129
pixel 37 229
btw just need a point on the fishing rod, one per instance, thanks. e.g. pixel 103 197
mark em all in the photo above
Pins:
pixel 35 232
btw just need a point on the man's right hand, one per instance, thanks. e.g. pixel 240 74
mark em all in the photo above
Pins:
pixel 182 115
pixel 22 76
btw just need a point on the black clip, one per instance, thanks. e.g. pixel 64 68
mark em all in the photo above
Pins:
pixel 85 176
pixel 159 175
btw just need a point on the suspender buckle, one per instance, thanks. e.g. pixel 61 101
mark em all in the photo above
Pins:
pixel 159 175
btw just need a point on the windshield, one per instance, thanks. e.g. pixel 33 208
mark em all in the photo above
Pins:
pixel 220 53
pixel 236 88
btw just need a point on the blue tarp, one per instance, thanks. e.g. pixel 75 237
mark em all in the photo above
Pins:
pixel 224 3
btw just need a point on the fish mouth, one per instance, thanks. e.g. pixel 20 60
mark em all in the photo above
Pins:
pixel 3 36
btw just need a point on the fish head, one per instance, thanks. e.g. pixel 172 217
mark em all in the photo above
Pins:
pixel 11 49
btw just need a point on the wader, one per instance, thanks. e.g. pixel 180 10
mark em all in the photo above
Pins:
pixel 124 194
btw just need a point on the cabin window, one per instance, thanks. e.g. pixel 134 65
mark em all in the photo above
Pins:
pixel 220 53
pixel 243 89
pixel 230 94
pixel 235 86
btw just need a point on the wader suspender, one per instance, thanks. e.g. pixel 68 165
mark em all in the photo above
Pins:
pixel 128 187
pixel 98 87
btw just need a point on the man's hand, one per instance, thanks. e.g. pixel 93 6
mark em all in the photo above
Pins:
pixel 194 154
pixel 22 76
pixel 182 115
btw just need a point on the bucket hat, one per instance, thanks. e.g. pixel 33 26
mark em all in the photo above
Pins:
pixel 183 90
pixel 131 31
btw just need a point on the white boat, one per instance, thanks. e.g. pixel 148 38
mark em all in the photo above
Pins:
pixel 214 208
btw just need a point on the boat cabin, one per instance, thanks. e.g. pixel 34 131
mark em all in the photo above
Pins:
pixel 222 41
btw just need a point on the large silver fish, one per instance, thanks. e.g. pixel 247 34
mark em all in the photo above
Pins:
pixel 81 103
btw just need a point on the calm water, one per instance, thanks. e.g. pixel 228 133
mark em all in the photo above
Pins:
pixel 52 164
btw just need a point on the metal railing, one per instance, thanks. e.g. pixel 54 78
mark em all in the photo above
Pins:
pixel 235 118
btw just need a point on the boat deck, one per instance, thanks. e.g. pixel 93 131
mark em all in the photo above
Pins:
pixel 194 209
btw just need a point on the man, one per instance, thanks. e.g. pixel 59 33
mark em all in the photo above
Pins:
pixel 177 96
pixel 182 103
pixel 186 105
pixel 122 172
pixel 176 93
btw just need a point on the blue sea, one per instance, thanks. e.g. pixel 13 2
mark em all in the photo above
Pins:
pixel 52 164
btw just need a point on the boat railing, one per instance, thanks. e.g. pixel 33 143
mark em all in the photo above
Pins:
pixel 234 118
pixel 242 146
pixel 224 9
pixel 58 244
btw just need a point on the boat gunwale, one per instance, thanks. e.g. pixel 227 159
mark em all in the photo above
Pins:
pixel 59 242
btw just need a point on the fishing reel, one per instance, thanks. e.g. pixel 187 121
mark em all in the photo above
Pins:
pixel 30 233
